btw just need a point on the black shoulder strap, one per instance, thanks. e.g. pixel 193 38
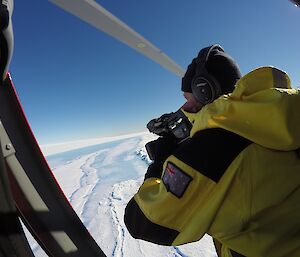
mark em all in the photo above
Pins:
pixel 211 151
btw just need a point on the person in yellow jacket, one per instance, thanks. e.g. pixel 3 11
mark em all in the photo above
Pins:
pixel 237 177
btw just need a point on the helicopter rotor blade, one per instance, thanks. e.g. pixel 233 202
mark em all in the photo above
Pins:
pixel 94 14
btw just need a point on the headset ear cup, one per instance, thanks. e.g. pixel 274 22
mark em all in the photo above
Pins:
pixel 205 89
pixel 202 90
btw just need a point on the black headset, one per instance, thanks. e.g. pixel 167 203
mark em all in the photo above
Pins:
pixel 205 87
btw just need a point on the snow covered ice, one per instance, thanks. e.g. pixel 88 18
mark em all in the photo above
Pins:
pixel 99 180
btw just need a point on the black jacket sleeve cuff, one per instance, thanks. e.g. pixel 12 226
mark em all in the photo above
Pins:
pixel 140 227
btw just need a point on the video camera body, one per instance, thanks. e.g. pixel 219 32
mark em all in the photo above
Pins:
pixel 174 123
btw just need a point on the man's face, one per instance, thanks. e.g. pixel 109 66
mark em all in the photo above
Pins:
pixel 191 105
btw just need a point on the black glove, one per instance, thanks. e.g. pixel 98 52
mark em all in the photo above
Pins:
pixel 164 147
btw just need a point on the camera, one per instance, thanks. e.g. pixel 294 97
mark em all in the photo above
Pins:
pixel 174 123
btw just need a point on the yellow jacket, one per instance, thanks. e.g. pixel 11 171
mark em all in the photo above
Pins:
pixel 237 178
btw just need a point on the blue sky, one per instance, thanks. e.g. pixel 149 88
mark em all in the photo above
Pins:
pixel 76 82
